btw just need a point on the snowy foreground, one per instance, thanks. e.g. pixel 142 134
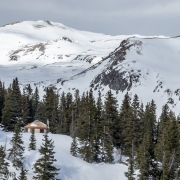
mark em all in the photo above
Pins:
pixel 72 168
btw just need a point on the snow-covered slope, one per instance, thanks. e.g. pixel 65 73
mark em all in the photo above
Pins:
pixel 45 54
pixel 72 168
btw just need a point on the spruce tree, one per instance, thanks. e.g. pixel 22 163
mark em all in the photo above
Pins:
pixel 40 113
pixel 63 127
pixel 32 145
pixel 23 174
pixel 142 120
pixel 25 110
pixel 92 136
pixel 28 93
pixel 50 111
pixel 55 115
pixel 44 168
pixel 144 157
pixel 68 113
pixel 167 149
pixel 12 111
pixel 107 149
pixel 126 126
pixel 48 101
pixel 164 118
pixel 17 149
pixel 3 164
pixel 99 126
pixel 111 116
pixel 84 130
pixel 6 113
pixel 146 151
pixel 130 174
pixel 2 99
pixel 35 103
pixel 74 147
pixel 76 108
pixel 109 127
pixel 137 123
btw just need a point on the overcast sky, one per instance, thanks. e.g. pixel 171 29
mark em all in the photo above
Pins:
pixel 115 17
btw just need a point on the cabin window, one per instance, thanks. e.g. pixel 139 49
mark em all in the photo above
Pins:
pixel 41 130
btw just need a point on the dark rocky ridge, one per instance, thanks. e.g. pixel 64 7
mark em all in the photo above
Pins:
pixel 115 78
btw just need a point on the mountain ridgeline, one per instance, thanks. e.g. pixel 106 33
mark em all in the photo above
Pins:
pixel 150 143
pixel 51 55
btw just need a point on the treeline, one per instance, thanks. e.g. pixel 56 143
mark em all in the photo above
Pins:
pixel 99 126
pixel 17 107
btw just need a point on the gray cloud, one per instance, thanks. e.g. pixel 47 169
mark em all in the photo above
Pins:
pixel 106 16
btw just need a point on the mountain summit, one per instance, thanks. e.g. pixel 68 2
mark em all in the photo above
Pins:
pixel 48 54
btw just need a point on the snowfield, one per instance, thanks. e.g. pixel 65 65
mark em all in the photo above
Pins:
pixel 72 168
pixel 48 54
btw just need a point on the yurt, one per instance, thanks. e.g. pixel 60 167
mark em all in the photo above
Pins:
pixel 38 127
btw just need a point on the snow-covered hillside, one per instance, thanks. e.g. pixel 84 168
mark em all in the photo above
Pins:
pixel 46 54
pixel 72 168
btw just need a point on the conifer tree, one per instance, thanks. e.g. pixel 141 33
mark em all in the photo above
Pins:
pixel 6 115
pixel 17 149
pixel 40 113
pixel 12 111
pixel 62 111
pixel 93 141
pixel 25 110
pixel 44 168
pixel 126 125
pixel 2 99
pixel 28 93
pixel 142 120
pixel 73 121
pixel 23 174
pixel 130 174
pixel 167 149
pixel 164 117
pixel 146 155
pixel 86 128
pixel 55 115
pixel 137 123
pixel 48 101
pixel 32 145
pixel 107 151
pixel 152 123
pixel 111 115
pixel 110 127
pixel 74 147
pixel 3 164
pixel 68 113
pixel 98 127
pixel 77 100
pixel 129 134
pixel 35 103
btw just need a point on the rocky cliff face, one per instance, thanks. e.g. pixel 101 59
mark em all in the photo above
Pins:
pixel 118 79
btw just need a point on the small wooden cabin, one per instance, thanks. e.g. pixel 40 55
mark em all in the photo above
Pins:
pixel 38 127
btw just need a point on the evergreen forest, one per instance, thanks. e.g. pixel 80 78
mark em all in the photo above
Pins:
pixel 98 127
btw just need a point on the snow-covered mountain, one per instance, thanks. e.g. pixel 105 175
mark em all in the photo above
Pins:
pixel 45 53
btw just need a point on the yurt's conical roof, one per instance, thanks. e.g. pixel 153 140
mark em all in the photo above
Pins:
pixel 36 124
